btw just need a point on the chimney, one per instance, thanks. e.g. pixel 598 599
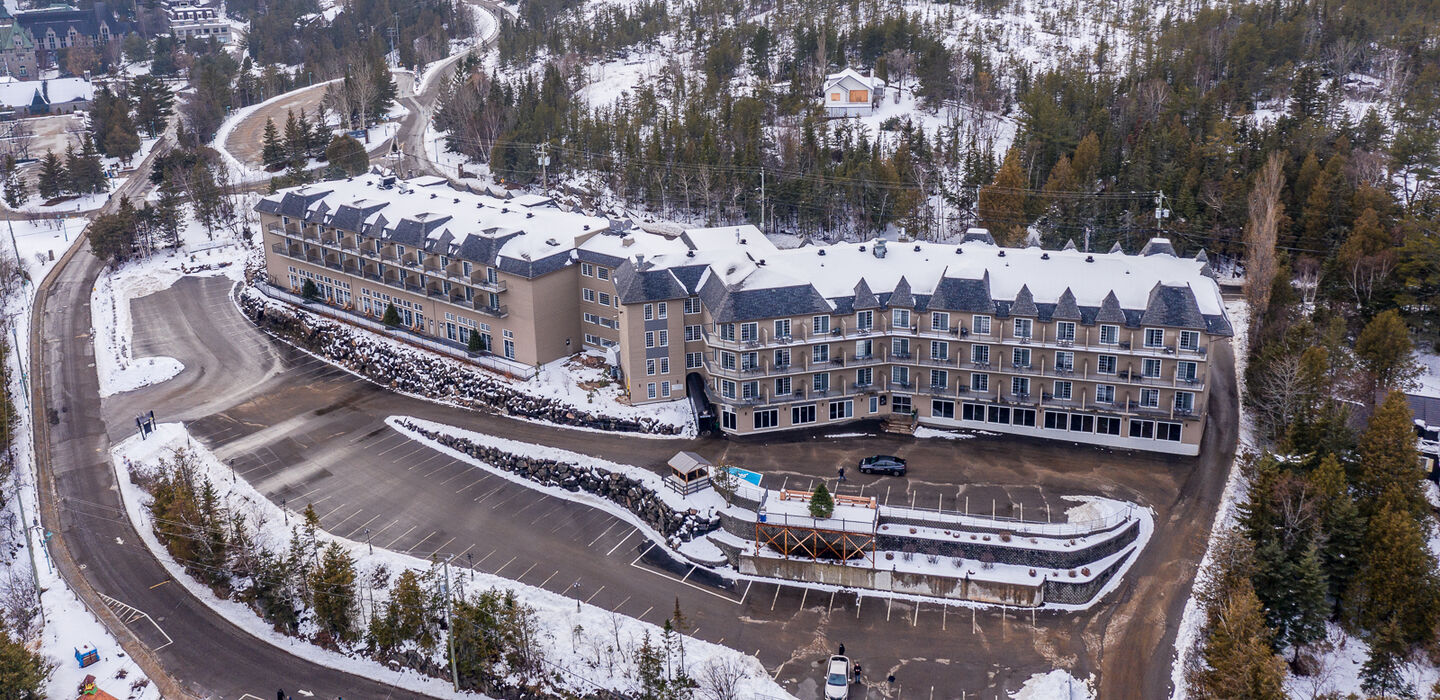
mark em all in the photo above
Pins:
pixel 880 248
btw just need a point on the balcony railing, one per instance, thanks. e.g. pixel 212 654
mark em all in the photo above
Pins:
pixel 496 311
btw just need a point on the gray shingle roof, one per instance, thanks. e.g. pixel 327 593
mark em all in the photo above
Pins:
pixel 1024 304
pixel 1110 311
pixel 1173 306
pixel 635 285
pixel 726 306
pixel 901 297
pixel 1065 309
pixel 953 294
pixel 864 298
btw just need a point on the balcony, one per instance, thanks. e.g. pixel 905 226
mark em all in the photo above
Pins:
pixel 496 311
pixel 906 355
pixel 865 388
pixel 939 361
pixel 1137 407
pixel 496 286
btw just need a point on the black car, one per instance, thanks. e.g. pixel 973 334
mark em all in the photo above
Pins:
pixel 883 464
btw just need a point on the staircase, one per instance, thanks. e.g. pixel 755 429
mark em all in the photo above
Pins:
pixel 901 423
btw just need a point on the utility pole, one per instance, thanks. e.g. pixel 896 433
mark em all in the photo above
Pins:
pixel 542 154
pixel 450 623
pixel 20 360
pixel 18 261
pixel 1161 213
pixel 762 200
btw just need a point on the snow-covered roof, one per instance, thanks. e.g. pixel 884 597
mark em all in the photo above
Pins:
pixel 21 93
pixel 525 240
pixel 851 74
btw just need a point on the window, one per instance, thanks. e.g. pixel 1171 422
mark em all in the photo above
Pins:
pixel 649 339
pixel 782 386
pixel 604 299
pixel 1190 340
pixel 997 414
pixel 980 324
pixel 900 348
pixel 1186 371
pixel 662 310
pixel 766 419
pixel 1150 368
pixel 782 358
pixel 820 324
pixel 750 390
pixel 898 404
pixel 650 368
pixel 1020 358
pixel 942 409
pixel 1065 361
pixel 693 333
pixel 1105 393
pixel 820 382
pixel 649 312
pixel 1081 423
pixel 1154 337
pixel 693 360
pixel 1065 331
pixel 874 404
pixel 726 331
pixel 939 378
pixel 1023 417
pixel 940 321
pixel 727 360
pixel 782 328
pixel 865 376
pixel 588 295
pixel 692 305
pixel 650 390
pixel 665 390
pixel 1055 420
pixel 1062 390
pixel 1105 364
pixel 1150 398
pixel 859 95
pixel 509 349
pixel 749 361
pixel 980 355
pixel 727 389
pixel 1142 429
pixel 1105 425
pixel 465 267
pixel 664 338
pixel 727 420
pixel 939 350
pixel 749 332
pixel 1184 402
pixel 602 273
pixel 864 349
pixel 900 376
pixel 840 410
pixel 1167 431
pixel 1023 327
pixel 865 320
pixel 979 382
pixel 972 411
pixel 800 415
pixel 1109 335
pixel 900 318
pixel 664 365
pixel 820 353
pixel 1020 386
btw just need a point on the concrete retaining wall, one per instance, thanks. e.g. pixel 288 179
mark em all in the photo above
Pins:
pixel 1019 595
pixel 1010 553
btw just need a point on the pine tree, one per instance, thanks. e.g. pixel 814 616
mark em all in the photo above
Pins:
pixel 1397 579
pixel 1308 605
pixel 153 103
pixel 53 180
pixel 821 504
pixel 295 141
pixel 272 152
pixel 22 672
pixel 308 291
pixel 1342 531
pixel 15 190
pixel 1387 459
pixel 1381 676
pixel 169 211
pixel 1383 351
pixel 333 583
pixel 392 317
pixel 122 141
pixel 1237 658
pixel 348 154
pixel 85 170
pixel 1002 204
pixel 474 345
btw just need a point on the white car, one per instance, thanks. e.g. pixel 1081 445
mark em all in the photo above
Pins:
pixel 837 679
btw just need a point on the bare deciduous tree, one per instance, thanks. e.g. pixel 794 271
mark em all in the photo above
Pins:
pixel 720 677
pixel 1260 231
pixel 1278 395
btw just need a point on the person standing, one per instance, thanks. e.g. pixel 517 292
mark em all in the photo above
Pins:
pixel 842 474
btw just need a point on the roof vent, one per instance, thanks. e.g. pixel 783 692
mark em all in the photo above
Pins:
pixel 822 252
pixel 586 227
pixel 1002 253
pixel 862 248
pixel 529 214
pixel 959 251
pixel 551 241
pixel 504 210
pixel 760 262
pixel 689 253
pixel 880 248
pixel 1044 256
pixel 742 241
pixel 432 195
pixel 457 201
pixel 1089 258
pixel 917 248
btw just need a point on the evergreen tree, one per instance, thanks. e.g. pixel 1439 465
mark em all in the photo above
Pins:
pixel 53 181
pixel 392 316
pixel 348 154
pixel 295 140
pixel 169 211
pixel 85 170
pixel 308 291
pixel 1238 662
pixel 1342 531
pixel 122 141
pixel 412 611
pixel 385 90
pixel 22 672
pixel 1002 204
pixel 15 191
pixel 821 504
pixel 1387 460
pixel 333 583
pixel 474 345
pixel 1396 582
pixel 1381 676
pixel 272 152
pixel 1384 352
pixel 153 103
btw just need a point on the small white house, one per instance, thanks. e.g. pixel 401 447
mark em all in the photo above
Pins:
pixel 851 94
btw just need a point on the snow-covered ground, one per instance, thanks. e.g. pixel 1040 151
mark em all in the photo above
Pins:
pixel 571 640
pixel 200 252
pixel 68 623
pixel 1428 383
pixel 1235 489
pixel 1055 685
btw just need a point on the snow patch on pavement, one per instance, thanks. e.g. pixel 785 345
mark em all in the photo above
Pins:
pixel 1055 685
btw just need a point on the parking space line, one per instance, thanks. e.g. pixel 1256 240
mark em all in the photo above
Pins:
pixel 415 547
pixel 397 537
pixel 442 547
pixel 606 532
pixel 617 544
pixel 502 566
pixel 592 595
pixel 522 574
pixel 487 556
pixel 362 525
pixel 547 578
pixel 330 513
pixel 342 522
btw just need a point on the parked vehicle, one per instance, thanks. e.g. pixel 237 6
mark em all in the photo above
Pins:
pixel 883 464
pixel 837 679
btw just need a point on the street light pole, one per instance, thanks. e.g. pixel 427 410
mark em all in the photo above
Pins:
pixel 450 622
